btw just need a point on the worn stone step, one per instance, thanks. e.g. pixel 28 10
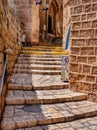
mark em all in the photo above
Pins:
pixel 43 96
pixel 37 87
pixel 33 71
pixel 38 67
pixel 41 56
pixel 36 82
pixel 39 62
pixel 22 116
pixel 40 59
pixel 82 124
pixel 45 52
pixel 43 49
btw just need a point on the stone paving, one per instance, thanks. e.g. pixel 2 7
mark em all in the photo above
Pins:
pixel 43 101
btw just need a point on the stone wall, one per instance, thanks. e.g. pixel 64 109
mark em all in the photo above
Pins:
pixel 66 20
pixel 83 52
pixel 10 33
pixel 28 14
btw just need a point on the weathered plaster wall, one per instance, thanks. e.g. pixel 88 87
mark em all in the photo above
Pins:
pixel 83 51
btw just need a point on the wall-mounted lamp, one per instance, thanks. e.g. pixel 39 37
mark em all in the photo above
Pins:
pixel 38 2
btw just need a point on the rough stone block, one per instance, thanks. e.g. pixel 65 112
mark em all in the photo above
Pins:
pixel 72 58
pixel 89 33
pixel 81 78
pixel 87 51
pixel 83 17
pixel 82 59
pixel 75 50
pixel 87 69
pixel 73 67
pixel 86 24
pixel 73 3
pixel 92 60
pixel 75 18
pixel 94 24
pixel 94 7
pixel 75 33
pixel 73 77
pixel 87 87
pixel 76 25
pixel 92 42
pixel 88 8
pixel 94 70
pixel 86 1
pixel 91 16
pixel 78 42
pixel 91 79
pixel 78 10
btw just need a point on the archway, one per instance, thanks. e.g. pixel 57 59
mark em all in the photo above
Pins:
pixel 52 16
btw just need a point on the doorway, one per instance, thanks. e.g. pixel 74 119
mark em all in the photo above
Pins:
pixel 49 24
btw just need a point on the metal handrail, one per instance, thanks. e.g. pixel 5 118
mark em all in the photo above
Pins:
pixel 3 75
pixel 68 38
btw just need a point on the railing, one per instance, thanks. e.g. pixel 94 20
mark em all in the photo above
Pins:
pixel 4 73
pixel 68 39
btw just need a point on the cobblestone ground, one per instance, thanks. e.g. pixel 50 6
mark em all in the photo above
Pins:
pixel 43 101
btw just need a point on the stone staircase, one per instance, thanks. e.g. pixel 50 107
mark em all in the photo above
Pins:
pixel 37 99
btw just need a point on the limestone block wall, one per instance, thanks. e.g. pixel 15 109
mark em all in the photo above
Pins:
pixel 66 20
pixel 10 34
pixel 83 51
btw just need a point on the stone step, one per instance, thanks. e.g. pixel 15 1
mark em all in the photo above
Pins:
pixel 36 82
pixel 39 62
pixel 43 49
pixel 33 71
pixel 45 52
pixel 38 67
pixel 37 87
pixel 43 97
pixel 82 124
pixel 39 59
pixel 22 116
pixel 41 56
